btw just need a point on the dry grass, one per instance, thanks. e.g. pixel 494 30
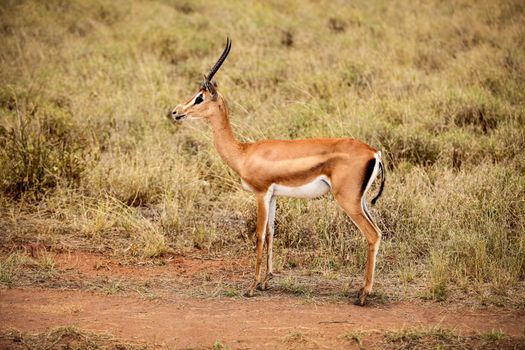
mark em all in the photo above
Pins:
pixel 67 337
pixel 88 160
pixel 430 338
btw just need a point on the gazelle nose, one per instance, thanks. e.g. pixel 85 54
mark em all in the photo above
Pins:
pixel 177 116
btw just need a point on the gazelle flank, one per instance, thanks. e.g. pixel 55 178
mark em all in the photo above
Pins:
pixel 306 168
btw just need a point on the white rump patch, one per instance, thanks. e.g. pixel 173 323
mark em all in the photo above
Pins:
pixel 377 156
pixel 314 189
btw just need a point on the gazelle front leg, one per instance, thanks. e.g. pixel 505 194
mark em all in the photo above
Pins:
pixel 269 243
pixel 263 203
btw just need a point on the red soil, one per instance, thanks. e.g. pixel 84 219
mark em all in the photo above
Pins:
pixel 266 322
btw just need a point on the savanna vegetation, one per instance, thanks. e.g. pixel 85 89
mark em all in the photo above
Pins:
pixel 89 161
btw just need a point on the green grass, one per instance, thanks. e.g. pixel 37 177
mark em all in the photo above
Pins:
pixel 88 159
pixel 495 335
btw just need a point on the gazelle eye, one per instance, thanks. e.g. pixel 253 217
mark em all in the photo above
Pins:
pixel 199 99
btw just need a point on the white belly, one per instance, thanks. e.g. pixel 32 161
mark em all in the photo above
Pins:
pixel 318 187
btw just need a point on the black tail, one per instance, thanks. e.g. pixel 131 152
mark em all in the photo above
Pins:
pixel 383 178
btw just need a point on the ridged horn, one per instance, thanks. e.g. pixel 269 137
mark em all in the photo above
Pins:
pixel 220 61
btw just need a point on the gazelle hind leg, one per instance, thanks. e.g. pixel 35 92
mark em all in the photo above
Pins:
pixel 263 201
pixel 357 211
pixel 269 243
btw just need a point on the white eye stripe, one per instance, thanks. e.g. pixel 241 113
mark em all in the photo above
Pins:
pixel 193 100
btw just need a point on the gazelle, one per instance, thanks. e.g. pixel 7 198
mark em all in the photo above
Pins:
pixel 295 168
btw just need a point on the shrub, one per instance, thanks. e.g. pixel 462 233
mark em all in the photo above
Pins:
pixel 42 148
pixel 409 145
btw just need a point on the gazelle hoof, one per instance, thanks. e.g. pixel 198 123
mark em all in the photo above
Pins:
pixel 264 285
pixel 360 301
pixel 361 298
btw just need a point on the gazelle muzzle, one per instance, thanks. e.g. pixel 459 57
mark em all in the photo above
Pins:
pixel 177 116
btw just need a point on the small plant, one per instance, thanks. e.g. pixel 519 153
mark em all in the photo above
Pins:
pixel 218 345
pixel 439 291
pixel 405 335
pixel 46 262
pixel 295 336
pixel 439 275
pixel 414 338
pixel 494 335
pixel 203 237
pixel 153 243
pixel 355 335
pixel 146 293
pixel 114 287
pixel 231 293
pixel 406 274
pixel 10 267
pixel 291 286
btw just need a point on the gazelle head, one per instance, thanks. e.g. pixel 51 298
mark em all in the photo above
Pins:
pixel 206 101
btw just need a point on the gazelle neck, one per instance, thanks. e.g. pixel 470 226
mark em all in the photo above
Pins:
pixel 225 142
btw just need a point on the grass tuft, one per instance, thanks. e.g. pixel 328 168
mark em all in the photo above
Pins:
pixel 65 337
pixel 495 335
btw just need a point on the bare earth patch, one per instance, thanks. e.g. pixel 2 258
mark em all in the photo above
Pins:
pixel 241 323
pixel 174 318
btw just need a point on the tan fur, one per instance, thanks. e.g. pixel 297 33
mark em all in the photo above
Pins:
pixel 291 163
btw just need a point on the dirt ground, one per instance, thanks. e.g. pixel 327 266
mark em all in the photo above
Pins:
pixel 173 319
